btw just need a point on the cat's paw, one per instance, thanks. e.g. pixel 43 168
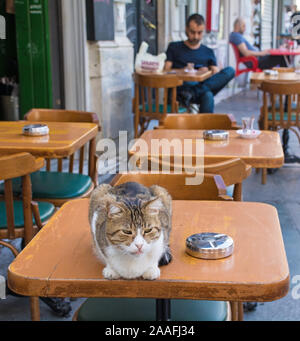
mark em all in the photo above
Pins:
pixel 109 273
pixel 152 273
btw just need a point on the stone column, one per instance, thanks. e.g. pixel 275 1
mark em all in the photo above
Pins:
pixel 111 64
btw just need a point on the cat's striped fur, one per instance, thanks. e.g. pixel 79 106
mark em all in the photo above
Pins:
pixel 131 226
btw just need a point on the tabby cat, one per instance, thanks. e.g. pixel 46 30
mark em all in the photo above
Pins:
pixel 131 225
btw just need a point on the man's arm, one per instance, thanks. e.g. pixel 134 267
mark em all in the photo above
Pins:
pixel 246 52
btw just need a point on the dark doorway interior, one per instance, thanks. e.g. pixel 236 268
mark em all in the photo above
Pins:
pixel 141 18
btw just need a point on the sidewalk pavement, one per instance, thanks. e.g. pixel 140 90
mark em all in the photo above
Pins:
pixel 282 191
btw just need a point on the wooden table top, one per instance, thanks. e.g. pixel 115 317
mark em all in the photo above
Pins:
pixel 60 261
pixel 284 52
pixel 198 76
pixel 259 77
pixel 63 140
pixel 263 152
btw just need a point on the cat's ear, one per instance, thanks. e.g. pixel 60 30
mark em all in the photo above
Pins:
pixel 153 206
pixel 114 211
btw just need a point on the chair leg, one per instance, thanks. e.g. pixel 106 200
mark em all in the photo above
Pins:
pixel 234 311
pixel 237 193
pixel 264 176
pixel 237 311
pixel 35 308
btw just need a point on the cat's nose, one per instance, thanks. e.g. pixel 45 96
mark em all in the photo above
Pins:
pixel 139 246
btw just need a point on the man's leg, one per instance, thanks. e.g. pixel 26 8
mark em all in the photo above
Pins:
pixel 215 83
pixel 206 102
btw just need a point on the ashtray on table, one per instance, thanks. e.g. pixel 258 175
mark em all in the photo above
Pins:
pixel 35 130
pixel 209 245
pixel 216 135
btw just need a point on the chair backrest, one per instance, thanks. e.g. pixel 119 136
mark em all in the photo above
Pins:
pixel 212 188
pixel 233 172
pixel 60 115
pixel 203 121
pixel 147 92
pixel 236 52
pixel 12 166
pixel 278 101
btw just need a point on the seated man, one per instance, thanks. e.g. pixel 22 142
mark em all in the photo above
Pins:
pixel 180 53
pixel 265 60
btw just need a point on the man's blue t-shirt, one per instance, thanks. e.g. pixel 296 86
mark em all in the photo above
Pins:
pixel 237 39
pixel 180 55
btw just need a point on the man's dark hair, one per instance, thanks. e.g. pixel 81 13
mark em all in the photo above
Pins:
pixel 198 18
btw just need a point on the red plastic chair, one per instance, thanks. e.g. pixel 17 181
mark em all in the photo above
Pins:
pixel 243 60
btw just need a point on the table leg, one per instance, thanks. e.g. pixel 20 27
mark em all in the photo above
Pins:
pixel 92 161
pixel 163 310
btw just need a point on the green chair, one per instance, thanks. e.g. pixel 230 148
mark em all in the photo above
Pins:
pixel 117 309
pixel 281 109
pixel 147 104
pixel 21 218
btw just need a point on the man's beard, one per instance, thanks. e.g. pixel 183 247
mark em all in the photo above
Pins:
pixel 194 41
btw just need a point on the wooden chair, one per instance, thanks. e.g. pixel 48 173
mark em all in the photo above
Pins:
pixel 146 103
pixel 233 173
pixel 57 186
pixel 281 109
pixel 16 216
pixel 212 188
pixel 201 121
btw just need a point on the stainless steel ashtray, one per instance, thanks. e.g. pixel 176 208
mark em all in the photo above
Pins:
pixel 209 245
pixel 216 135
pixel 36 130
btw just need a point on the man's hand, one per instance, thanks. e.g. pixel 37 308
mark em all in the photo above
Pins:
pixel 214 69
pixel 265 52
pixel 203 69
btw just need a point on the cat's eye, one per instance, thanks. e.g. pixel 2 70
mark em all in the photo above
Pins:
pixel 128 232
pixel 148 230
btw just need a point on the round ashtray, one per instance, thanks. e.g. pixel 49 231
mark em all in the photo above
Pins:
pixel 36 130
pixel 216 135
pixel 209 245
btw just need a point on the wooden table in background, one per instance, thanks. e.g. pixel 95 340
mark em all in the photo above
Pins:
pixel 258 77
pixel 198 76
pixel 263 152
pixel 63 140
pixel 257 270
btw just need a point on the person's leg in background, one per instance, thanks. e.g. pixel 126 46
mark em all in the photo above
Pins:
pixel 206 103
pixel 268 62
pixel 205 91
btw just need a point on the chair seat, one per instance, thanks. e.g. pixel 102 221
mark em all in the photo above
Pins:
pixel 122 309
pixel 54 185
pixel 285 117
pixel 181 110
pixel 46 211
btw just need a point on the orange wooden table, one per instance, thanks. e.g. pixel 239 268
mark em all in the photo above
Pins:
pixel 63 140
pixel 264 152
pixel 60 262
pixel 258 77
pixel 199 76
